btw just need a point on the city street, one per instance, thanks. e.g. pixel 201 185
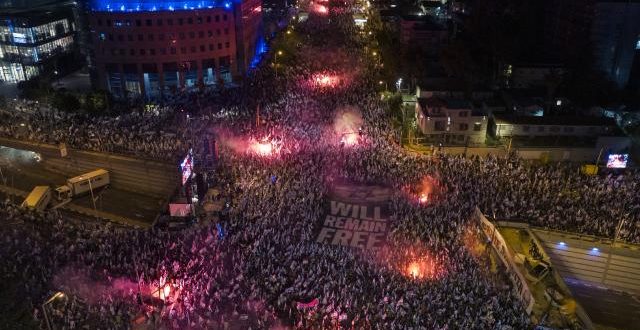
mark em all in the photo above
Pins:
pixel 22 170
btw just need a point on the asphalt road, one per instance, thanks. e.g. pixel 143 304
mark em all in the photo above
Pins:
pixel 607 307
pixel 22 170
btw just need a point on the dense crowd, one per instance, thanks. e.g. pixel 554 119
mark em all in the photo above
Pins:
pixel 251 268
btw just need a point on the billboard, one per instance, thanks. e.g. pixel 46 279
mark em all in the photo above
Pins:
pixel 617 161
pixel 179 210
pixel 186 167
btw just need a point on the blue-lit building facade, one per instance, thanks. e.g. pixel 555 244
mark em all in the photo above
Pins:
pixel 31 40
pixel 146 49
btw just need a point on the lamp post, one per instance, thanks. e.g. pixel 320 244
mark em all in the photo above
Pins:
pixel 276 61
pixel 383 83
pixel 55 296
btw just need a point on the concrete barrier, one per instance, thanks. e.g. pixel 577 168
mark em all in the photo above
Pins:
pixel 142 176
pixel 502 249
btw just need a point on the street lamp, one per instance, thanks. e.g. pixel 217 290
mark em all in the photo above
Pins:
pixel 385 84
pixel 399 84
pixel 55 296
pixel 276 61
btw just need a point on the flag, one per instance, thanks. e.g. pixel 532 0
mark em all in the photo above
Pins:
pixel 311 304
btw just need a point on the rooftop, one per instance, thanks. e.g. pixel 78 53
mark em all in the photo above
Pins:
pixel 445 102
pixel 35 16
pixel 554 120
pixel 157 5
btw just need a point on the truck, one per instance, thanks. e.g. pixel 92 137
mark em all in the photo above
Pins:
pixel 38 199
pixel 82 184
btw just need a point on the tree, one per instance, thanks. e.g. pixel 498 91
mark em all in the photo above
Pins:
pixel 35 88
pixel 96 102
pixel 64 101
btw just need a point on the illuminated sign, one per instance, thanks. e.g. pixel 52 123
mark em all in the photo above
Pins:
pixel 617 161
pixel 156 5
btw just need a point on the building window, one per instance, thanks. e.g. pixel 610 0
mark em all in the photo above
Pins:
pixel 114 52
pixel 121 51
pixel 159 22
pixel 199 20
pixel 148 22
pixel 143 52
pixel 192 34
pixel 210 33
pixel 169 21
pixel 150 37
pixel 208 19
pixel 202 48
pixel 181 35
pixel 477 127
pixel 219 45
pixel 163 51
pixel 217 18
pixel 152 52
pixel 108 22
pixel 180 21
pixel 463 127
pixel 211 47
pixel 161 36
pixel 440 125
pixel 110 37
pixel 201 34
pixel 140 37
pixel 226 30
pixel 138 22
pixel 463 114
pixel 218 32
pixel 224 17
pixel 183 50
pixel 193 49
pixel 132 52
pixel 102 36
pixel 173 50
pixel 226 44
pixel 190 20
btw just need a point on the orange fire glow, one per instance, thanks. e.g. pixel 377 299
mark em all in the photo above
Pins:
pixel 320 9
pixel 324 80
pixel 414 270
pixel 349 139
pixel 263 148
pixel 424 198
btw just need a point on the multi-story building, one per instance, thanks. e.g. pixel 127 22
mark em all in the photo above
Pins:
pixel 144 48
pixel 31 40
pixel 615 33
pixel 529 126
pixel 450 121
pixel 609 29
pixel 423 31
